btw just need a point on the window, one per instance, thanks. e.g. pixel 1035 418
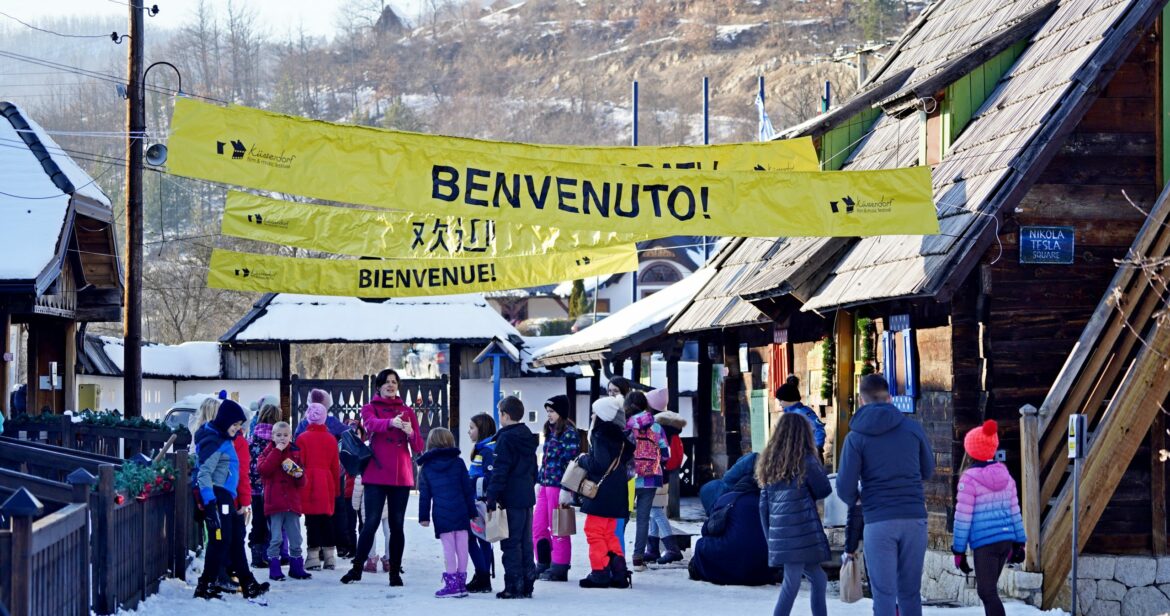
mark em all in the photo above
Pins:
pixel 660 273
pixel 900 362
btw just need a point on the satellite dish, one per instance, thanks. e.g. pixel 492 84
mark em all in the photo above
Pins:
pixel 156 154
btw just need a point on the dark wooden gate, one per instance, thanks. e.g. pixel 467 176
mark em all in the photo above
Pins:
pixel 428 398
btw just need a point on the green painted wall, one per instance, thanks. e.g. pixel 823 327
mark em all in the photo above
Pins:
pixel 965 96
pixel 838 144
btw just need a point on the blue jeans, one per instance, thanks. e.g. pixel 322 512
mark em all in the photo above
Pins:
pixel 791 587
pixel 903 543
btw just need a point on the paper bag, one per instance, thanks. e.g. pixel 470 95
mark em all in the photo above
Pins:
pixel 564 523
pixel 662 496
pixel 497 525
pixel 851 581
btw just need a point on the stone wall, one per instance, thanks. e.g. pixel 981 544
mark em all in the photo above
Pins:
pixel 1122 585
pixel 943 583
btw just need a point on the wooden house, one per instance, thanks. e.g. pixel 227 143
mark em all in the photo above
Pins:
pixel 58 262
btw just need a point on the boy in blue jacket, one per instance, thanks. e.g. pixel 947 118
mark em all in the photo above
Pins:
pixel 512 488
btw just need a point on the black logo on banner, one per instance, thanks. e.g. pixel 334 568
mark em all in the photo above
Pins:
pixel 256 218
pixel 238 148
pixel 243 273
pixel 848 201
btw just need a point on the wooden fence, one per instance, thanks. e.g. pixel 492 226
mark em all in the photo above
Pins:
pixel 48 558
pixel 110 441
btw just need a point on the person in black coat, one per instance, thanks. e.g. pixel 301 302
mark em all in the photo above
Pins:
pixel 447 496
pixel 793 481
pixel 610 452
pixel 513 488
pixel 732 549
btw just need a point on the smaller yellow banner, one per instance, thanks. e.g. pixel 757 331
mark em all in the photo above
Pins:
pixel 398 235
pixel 239 271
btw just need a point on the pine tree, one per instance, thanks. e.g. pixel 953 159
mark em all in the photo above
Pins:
pixel 579 303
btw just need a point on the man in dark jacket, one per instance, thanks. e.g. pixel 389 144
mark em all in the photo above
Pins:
pixel 513 488
pixel 890 456
pixel 733 549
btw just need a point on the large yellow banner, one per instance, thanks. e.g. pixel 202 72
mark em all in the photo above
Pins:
pixel 553 186
pixel 398 235
pixel 410 278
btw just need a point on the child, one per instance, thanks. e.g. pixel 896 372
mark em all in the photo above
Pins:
pixel 268 415
pixel 482 432
pixel 609 454
pixel 987 516
pixel 660 531
pixel 793 480
pixel 371 565
pixel 511 488
pixel 282 472
pixel 319 492
pixel 651 451
pixel 445 490
pixel 218 478
pixel 561 445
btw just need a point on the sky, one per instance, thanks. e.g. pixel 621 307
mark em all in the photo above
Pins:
pixel 279 17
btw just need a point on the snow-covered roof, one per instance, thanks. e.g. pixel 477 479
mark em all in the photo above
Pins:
pixel 190 360
pixel 631 325
pixel 37 179
pixel 285 317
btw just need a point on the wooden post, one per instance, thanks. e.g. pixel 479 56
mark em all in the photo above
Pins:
pixel 732 385
pixel 286 381
pixel 105 601
pixel 69 368
pixel 5 366
pixel 83 482
pixel 1158 485
pixel 1030 485
pixel 674 353
pixel 701 414
pixel 23 508
pixel 182 515
pixel 636 368
pixel 595 382
pixel 455 363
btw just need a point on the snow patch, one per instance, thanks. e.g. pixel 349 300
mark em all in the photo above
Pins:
pixel 190 359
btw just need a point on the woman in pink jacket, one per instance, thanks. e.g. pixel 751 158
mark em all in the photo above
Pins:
pixel 394 434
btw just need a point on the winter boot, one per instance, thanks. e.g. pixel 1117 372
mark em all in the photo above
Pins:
pixel 598 578
pixel 508 593
pixel 451 587
pixel 226 583
pixel 461 578
pixel 313 559
pixel 556 573
pixel 296 570
pixel 252 589
pixel 671 554
pixel 259 559
pixel 330 559
pixel 639 563
pixel 652 552
pixel 529 587
pixel 371 565
pixel 385 564
pixel 353 575
pixel 395 578
pixel 621 576
pixel 284 557
pixel 480 582
pixel 206 590
pixel 543 556
pixel 274 572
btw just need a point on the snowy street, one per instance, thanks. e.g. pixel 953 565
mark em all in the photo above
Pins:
pixel 669 591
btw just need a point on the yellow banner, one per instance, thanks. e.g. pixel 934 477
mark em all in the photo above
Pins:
pixel 239 271
pixel 398 235
pixel 442 176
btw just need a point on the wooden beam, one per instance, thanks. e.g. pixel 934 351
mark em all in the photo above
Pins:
pixel 843 386
pixel 286 381
pixel 1158 444
pixel 5 366
pixel 701 414
pixel 1030 485
pixel 68 368
pixel 454 424
pixel 1111 449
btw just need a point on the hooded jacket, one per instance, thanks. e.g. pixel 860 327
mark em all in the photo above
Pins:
pixel 392 464
pixel 607 442
pixel 261 437
pixel 217 463
pixel 889 455
pixel 514 473
pixel 322 470
pixel 818 426
pixel 987 509
pixel 648 436
pixel 446 495
pixel 788 514
pixel 282 492
pixel 483 459
pixel 558 452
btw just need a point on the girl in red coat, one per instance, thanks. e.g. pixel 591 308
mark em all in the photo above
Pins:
pixel 319 493
pixel 394 434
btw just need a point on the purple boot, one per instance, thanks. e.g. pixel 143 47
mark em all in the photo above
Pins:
pixel 274 572
pixel 296 570
pixel 461 579
pixel 450 587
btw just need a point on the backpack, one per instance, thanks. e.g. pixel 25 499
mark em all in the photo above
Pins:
pixel 647 458
pixel 676 454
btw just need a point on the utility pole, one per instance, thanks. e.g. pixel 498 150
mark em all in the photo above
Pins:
pixel 136 129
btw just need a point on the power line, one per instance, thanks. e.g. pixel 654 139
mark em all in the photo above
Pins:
pixel 11 55
pixel 53 32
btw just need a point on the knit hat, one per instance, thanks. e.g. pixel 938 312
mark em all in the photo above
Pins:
pixel 981 443
pixel 229 413
pixel 789 391
pixel 316 414
pixel 320 396
pixel 658 398
pixel 608 408
pixel 558 404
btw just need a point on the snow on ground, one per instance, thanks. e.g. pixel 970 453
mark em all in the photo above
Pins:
pixel 665 591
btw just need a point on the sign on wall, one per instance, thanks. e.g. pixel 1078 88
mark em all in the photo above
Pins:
pixel 1047 245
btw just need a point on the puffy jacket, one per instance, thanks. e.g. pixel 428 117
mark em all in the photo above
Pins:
pixel 216 463
pixel 648 435
pixel 483 458
pixel 733 549
pixel 514 470
pixel 988 509
pixel 261 437
pixel 446 495
pixel 672 424
pixel 322 470
pixel 558 452
pixel 889 454
pixel 607 442
pixel 788 513
pixel 244 458
pixel 818 426
pixel 282 491
pixel 392 464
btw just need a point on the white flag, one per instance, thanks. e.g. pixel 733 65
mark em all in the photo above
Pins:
pixel 767 133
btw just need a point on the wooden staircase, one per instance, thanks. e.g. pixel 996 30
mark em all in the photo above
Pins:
pixel 1118 375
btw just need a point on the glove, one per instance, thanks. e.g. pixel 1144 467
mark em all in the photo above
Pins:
pixel 961 563
pixel 566 498
pixel 1017 553
pixel 211 517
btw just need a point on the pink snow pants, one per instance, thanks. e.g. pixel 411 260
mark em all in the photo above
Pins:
pixel 547 500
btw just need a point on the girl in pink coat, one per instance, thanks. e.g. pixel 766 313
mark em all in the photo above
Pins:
pixel 389 477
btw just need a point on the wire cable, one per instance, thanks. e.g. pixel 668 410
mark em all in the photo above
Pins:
pixel 53 32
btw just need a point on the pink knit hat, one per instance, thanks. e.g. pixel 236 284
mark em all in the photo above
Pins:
pixel 320 396
pixel 316 414
pixel 658 399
